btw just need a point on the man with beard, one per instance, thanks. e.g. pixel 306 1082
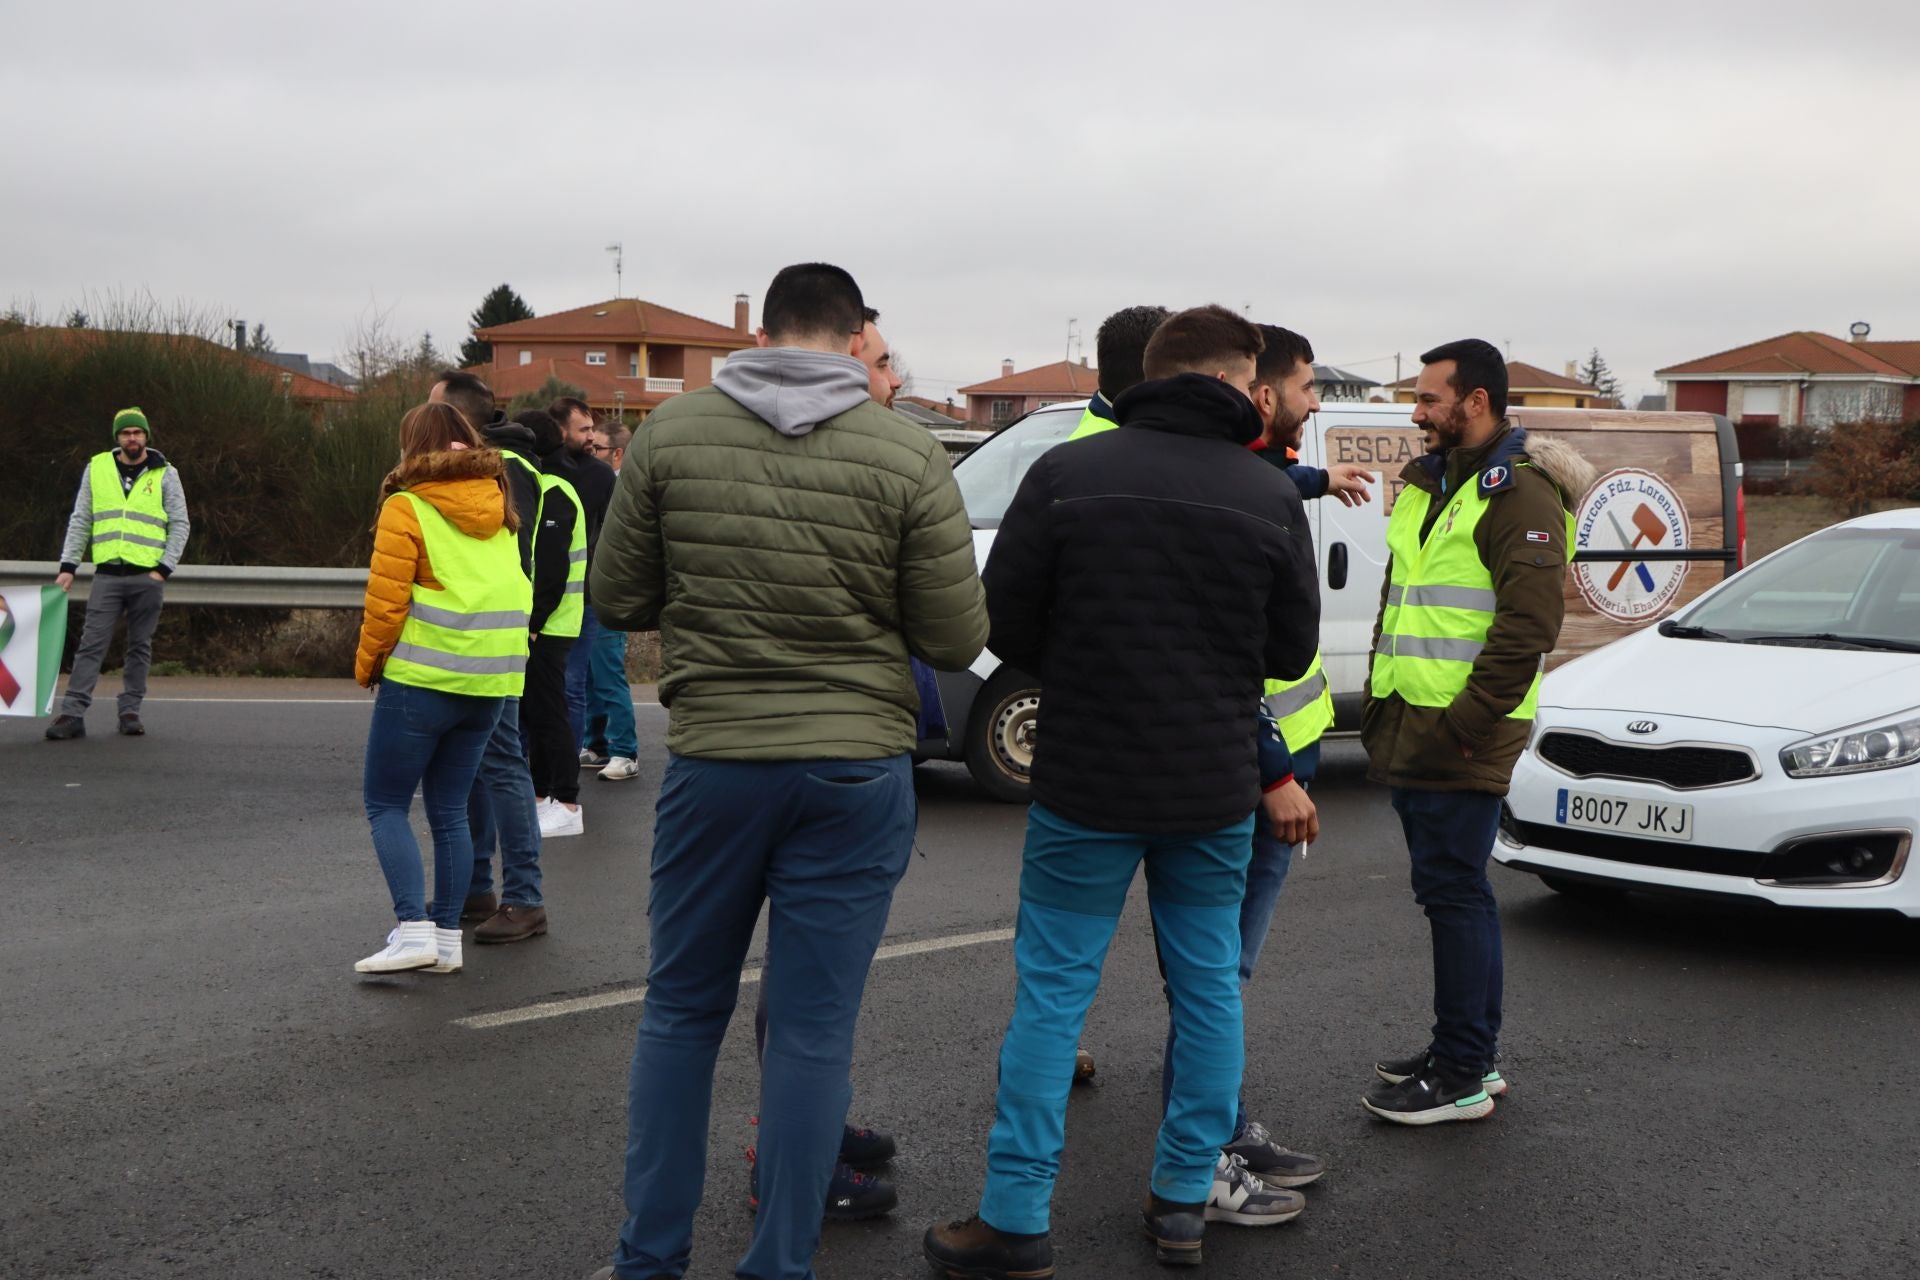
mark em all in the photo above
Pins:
pixel 1471 605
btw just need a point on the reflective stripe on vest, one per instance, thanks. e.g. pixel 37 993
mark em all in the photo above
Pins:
pixel 470 635
pixel 570 613
pixel 1440 603
pixel 128 525
pixel 1303 708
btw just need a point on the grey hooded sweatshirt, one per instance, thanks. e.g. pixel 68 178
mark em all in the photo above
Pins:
pixel 791 390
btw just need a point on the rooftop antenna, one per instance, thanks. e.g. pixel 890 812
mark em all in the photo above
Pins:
pixel 1073 336
pixel 618 275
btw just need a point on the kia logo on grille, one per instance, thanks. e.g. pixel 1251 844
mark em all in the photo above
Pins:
pixel 1642 726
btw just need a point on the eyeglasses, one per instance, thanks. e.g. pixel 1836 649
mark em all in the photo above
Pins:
pixel 599 448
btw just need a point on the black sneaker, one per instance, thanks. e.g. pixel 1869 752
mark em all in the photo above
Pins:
pixel 1175 1229
pixel 852 1196
pixel 969 1249
pixel 865 1148
pixel 1400 1068
pixel 1270 1162
pixel 1431 1095
pixel 64 727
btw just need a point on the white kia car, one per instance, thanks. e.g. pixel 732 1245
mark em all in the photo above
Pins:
pixel 1763 743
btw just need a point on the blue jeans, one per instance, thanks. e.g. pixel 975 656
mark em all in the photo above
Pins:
pixel 1449 838
pixel 1073 884
pixel 579 662
pixel 610 727
pixel 432 740
pixel 823 843
pixel 1266 873
pixel 500 812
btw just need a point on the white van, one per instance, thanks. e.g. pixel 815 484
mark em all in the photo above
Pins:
pixel 1667 483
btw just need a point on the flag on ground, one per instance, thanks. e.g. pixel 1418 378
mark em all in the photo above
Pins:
pixel 33 631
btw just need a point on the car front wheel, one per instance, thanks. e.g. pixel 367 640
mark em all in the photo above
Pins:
pixel 1001 734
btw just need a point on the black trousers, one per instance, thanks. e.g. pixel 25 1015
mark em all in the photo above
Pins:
pixel 553 754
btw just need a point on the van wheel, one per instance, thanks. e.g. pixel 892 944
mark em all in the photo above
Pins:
pixel 1584 890
pixel 1001 734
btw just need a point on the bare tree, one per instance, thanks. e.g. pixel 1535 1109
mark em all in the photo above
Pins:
pixel 1864 461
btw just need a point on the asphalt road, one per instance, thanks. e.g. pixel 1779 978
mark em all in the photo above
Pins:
pixel 194 1083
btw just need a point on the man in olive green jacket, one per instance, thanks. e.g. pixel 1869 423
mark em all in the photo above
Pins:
pixel 794 543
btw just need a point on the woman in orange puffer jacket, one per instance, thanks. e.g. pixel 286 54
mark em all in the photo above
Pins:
pixel 444 636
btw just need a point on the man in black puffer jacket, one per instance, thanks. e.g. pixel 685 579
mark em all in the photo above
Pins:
pixel 1152 577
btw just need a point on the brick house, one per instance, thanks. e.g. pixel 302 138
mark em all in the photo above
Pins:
pixel 999 401
pixel 625 354
pixel 1802 379
pixel 1530 385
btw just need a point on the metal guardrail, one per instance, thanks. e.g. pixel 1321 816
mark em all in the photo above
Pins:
pixel 234 586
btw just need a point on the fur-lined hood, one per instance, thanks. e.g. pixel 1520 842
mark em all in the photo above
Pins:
pixel 462 484
pixel 1561 463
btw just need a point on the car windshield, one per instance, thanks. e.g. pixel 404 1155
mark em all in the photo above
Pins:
pixel 990 474
pixel 1845 586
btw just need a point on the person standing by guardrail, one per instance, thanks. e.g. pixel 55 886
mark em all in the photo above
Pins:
pixel 1477 547
pixel 130 519
pixel 793 542
pixel 444 636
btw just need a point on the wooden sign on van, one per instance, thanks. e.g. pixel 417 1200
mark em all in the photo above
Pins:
pixel 1385 450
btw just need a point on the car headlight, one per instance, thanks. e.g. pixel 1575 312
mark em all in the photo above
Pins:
pixel 1887 745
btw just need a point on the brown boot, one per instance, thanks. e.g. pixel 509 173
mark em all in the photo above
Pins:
pixel 64 727
pixel 478 907
pixel 512 924
pixel 970 1248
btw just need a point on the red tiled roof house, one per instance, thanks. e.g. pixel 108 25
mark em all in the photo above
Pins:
pixel 1802 379
pixel 997 402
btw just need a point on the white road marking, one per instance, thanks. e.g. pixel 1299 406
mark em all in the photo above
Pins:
pixel 634 995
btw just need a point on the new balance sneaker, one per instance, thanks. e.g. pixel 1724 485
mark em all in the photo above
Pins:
pixel 1400 1068
pixel 852 1196
pixel 619 769
pixel 1246 1201
pixel 591 759
pixel 558 820
pixel 1431 1095
pixel 865 1148
pixel 409 946
pixel 1175 1229
pixel 969 1249
pixel 446 943
pixel 1270 1162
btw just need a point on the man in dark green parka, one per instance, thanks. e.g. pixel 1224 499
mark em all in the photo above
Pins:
pixel 793 543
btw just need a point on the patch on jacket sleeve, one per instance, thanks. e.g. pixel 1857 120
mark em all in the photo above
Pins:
pixel 1496 478
pixel 1539 535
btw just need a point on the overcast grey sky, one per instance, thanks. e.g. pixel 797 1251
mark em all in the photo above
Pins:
pixel 1659 180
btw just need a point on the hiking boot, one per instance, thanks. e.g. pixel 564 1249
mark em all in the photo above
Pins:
pixel 1083 1067
pixel 1244 1200
pixel 852 1196
pixel 130 724
pixel 620 769
pixel 478 907
pixel 64 727
pixel 512 923
pixel 446 944
pixel 1270 1162
pixel 1399 1069
pixel 1175 1230
pixel 409 946
pixel 969 1249
pixel 1432 1095
pixel 865 1148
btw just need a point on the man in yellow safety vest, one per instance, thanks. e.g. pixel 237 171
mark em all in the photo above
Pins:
pixel 130 519
pixel 1477 544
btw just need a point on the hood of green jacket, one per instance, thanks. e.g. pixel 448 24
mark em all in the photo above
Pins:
pixel 790 389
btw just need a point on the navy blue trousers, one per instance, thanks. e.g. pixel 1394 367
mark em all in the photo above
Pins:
pixel 822 843
pixel 1449 839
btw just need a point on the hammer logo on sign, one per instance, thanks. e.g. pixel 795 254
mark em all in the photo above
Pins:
pixel 1624 511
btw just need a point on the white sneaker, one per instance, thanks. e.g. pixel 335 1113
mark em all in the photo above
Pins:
pixel 557 820
pixel 409 946
pixel 619 769
pixel 591 759
pixel 1242 1199
pixel 446 944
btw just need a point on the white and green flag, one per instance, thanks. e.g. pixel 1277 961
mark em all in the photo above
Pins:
pixel 33 630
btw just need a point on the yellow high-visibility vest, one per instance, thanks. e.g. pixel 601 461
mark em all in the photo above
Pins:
pixel 470 635
pixel 128 524
pixel 1302 708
